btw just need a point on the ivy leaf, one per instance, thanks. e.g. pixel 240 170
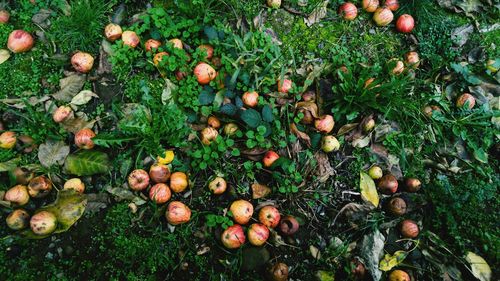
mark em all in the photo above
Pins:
pixel 267 113
pixel 52 152
pixel 391 261
pixel 251 117
pixel 87 163
pixel 368 189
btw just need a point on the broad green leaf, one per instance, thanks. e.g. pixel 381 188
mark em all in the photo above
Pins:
pixel 368 189
pixel 391 261
pixel 87 163
pixel 267 113
pixel 52 152
pixel 251 117
pixel 9 165
pixel 480 268
pixel 68 208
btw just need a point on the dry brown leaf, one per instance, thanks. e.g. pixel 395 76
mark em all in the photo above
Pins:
pixel 347 128
pixel 308 106
pixel 301 135
pixel 260 190
pixel 324 169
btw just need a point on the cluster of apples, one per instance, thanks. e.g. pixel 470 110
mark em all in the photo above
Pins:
pixel 83 137
pixel 464 101
pixel 28 186
pixel 411 61
pixel 382 16
pixel 269 218
pixel 211 131
pixel 161 192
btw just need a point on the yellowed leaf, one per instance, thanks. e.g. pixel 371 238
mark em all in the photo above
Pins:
pixel 4 55
pixel 260 190
pixel 167 158
pixel 480 268
pixel 391 261
pixel 368 189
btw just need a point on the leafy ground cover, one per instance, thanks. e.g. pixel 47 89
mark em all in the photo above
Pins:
pixel 292 108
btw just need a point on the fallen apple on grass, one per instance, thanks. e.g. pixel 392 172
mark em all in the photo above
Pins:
pixel 208 50
pixel 113 32
pixel 20 41
pixel 466 99
pixel 43 223
pixel 269 158
pixel 370 5
pixel 405 23
pixel 208 135
pixel 160 193
pixel 177 213
pixel 130 38
pixel 399 275
pixel 412 184
pixel 83 138
pixel 177 43
pixel 278 272
pixel 412 59
pixel 250 99
pixel 383 16
pixel 217 186
pixel 18 219
pixel 151 45
pixel 409 229
pixel 289 225
pixel 62 114
pixel 257 234
pixel 8 140
pixel 213 122
pixel 159 58
pixel 4 16
pixel 138 180
pixel 329 144
pixel 233 237
pixel 275 4
pixel 204 73
pixel 397 206
pixel 242 211
pixel 399 68
pixel 375 172
pixel 324 124
pixel 348 11
pixel 178 182
pixel 269 216
pixel 159 173
pixel 285 86
pixel 388 184
pixel 392 5
pixel 82 62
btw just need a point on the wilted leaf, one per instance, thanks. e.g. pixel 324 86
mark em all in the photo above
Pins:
pixel 308 106
pixel 368 189
pixel 121 193
pixel 354 211
pixel 371 251
pixel 76 124
pixel 70 86
pixel 390 261
pixel 460 35
pixel 317 14
pixel 361 142
pixel 301 135
pixel 52 152
pixel 315 253
pixel 168 89
pixel 324 170
pixel 480 268
pixel 87 163
pixel 4 55
pixel 83 97
pixel 260 191
pixel 347 128
pixel 68 208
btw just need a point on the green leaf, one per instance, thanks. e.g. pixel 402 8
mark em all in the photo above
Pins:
pixel 87 163
pixel 391 261
pixel 251 117
pixel 267 113
pixel 228 109
pixel 206 98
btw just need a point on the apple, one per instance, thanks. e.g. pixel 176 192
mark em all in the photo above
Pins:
pixel 397 206
pixel 412 184
pixel 278 272
pixel 392 5
pixel 208 135
pixel 463 99
pixel 409 229
pixel 43 223
pixel 112 32
pixel 375 172
pixel 39 187
pixel 383 16
pixel 405 23
pixel 18 219
pixel 269 158
pixel 138 180
pixel 4 16
pixel 213 122
pixel 159 57
pixel 160 193
pixel 8 140
pixel 398 68
pixel 83 138
pixel 75 184
pixel 285 86
pixel 152 45
pixel 274 4
pixel 242 211
pixel 62 114
pixel 208 49
pixel 289 225
pixel 17 195
pixel 329 144
pixel 230 129
pixel 324 124
pixel 269 216
pixel 82 62
pixel 177 213
pixel 370 5
pixel 178 182
pixel 250 99
pixel 204 73
pixel 233 237
pixel 348 11
pixel 177 43
pixel 399 275
pixel 159 173
pixel 130 38
pixel 257 234
pixel 412 59
pixel 217 185
pixel 20 41
pixel 430 109
pixel 388 184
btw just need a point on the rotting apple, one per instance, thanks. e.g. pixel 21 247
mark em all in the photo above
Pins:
pixel 324 124
pixel 208 134
pixel 309 96
pixel 368 125
pixel 8 140
pixel 179 75
pixel 82 62
pixel 4 16
pixel 230 129
pixel 20 41
pixel 178 182
pixel 392 5
pixel 62 114
pixel 257 234
pixel 17 195
pixel 18 219
pixel 412 59
pixel 233 237
pixel 204 73
pixel 177 213
pixel 250 99
pixel 151 45
pixel 274 4
pixel 370 5
pixel 159 58
pixel 177 43
pixel 83 138
pixel 462 100
pixel 242 211
pixel 348 11
pixel 397 206
pixel 269 158
pixel 269 216
pixel 289 225
pixel 39 187
pixel 159 173
pixel 399 67
pixel 409 229
pixel 388 184
pixel 375 172
pixel 213 122
pixel 383 16
pixel 405 23
pixel 217 185
pixel 399 275
pixel 430 109
pixel 75 184
pixel 43 223
pixel 138 180
pixel 23 175
pixel 285 86
pixel 329 144
pixel 130 38
pixel 113 32
pixel 412 184
pixel 278 272
pixel 208 49
pixel 160 193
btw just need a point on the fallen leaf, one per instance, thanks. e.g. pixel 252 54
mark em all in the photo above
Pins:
pixel 301 135
pixel 368 189
pixel 167 158
pixel 260 191
pixel 52 153
pixel 9 165
pixel 315 253
pixel 372 248
pixel 391 261
pixel 76 124
pixel 70 86
pixel 324 170
pixel 361 142
pixel 354 211
pixel 317 14
pixel 87 163
pixel 308 106
pixel 347 128
pixel 83 97
pixel 4 55
pixel 480 268
pixel 460 35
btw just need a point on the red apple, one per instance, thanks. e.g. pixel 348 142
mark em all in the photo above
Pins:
pixel 409 229
pixel 388 184
pixel 204 73
pixel 392 5
pixel 20 41
pixel 62 113
pixel 233 237
pixel 405 23
pixel 412 59
pixel 4 16
pixel 383 16
pixel 83 138
pixel 159 57
pixel 285 86
pixel 159 173
pixel 242 211
pixel 113 32
pixel 324 124
pixel 208 49
pixel 269 216
pixel 217 185
pixel 258 234
pixel 82 62
pixel 370 5
pixel 138 180
pixel 177 213
pixel 130 38
pixel 151 45
pixel 269 158
pixel 348 11
pixel 250 99
pixel 160 193
pixel 178 182
pixel 466 98
pixel 39 187
pixel 289 225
